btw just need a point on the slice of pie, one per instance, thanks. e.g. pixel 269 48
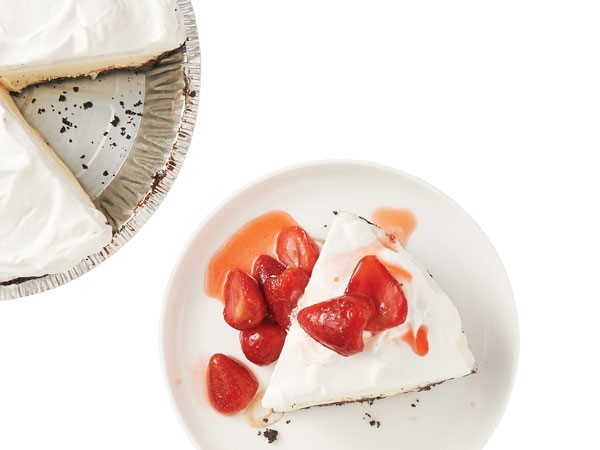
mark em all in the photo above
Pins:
pixel 423 346
pixel 42 40
pixel 48 223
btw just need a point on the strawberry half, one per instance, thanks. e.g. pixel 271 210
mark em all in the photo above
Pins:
pixel 371 279
pixel 338 323
pixel 266 267
pixel 282 293
pixel 262 344
pixel 244 302
pixel 295 248
pixel 230 385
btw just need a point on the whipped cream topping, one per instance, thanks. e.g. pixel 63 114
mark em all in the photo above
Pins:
pixel 41 39
pixel 307 373
pixel 48 222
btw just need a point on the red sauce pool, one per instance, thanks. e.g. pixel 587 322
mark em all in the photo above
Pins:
pixel 255 238
pixel 399 222
pixel 419 342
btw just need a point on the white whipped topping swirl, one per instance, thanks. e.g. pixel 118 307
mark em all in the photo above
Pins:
pixel 48 223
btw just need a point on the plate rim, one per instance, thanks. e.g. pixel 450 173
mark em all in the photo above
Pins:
pixel 323 163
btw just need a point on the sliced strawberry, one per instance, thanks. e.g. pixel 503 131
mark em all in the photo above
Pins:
pixel 266 267
pixel 371 279
pixel 262 344
pixel 231 386
pixel 295 248
pixel 245 305
pixel 338 323
pixel 282 293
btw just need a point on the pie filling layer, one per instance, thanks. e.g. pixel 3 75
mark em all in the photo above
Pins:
pixel 428 348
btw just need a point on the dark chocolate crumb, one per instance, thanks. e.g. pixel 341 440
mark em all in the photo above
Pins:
pixel 105 173
pixel 375 423
pixel 84 166
pixel 269 434
pixel 115 121
pixel 122 104
pixel 287 422
pixel 76 88
pixel 63 130
pixel 105 133
pixel 266 420
pixel 138 103
pixel 62 98
pixel 132 113
pixel 33 100
pixel 82 157
pixel 128 137
pixel 193 94
pixel 41 111
pixel 412 405
pixel 87 105
pixel 70 141
pixel 66 122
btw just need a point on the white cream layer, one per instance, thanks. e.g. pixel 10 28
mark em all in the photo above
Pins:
pixel 308 373
pixel 46 39
pixel 47 222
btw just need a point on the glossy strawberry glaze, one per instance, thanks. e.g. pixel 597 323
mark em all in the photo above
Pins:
pixel 399 222
pixel 398 272
pixel 255 238
pixel 419 342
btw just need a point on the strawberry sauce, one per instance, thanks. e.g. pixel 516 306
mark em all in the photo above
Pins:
pixel 399 222
pixel 419 342
pixel 398 272
pixel 257 237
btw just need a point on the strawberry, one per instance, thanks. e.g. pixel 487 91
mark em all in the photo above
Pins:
pixel 244 302
pixel 266 267
pixel 262 344
pixel 338 323
pixel 282 293
pixel 231 386
pixel 371 279
pixel 295 248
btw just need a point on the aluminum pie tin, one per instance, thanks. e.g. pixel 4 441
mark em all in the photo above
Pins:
pixel 124 135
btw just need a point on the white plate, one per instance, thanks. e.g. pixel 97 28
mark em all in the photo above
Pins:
pixel 458 415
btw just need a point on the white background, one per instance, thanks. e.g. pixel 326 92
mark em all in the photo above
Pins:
pixel 495 103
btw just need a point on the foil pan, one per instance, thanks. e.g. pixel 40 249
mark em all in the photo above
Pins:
pixel 124 135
